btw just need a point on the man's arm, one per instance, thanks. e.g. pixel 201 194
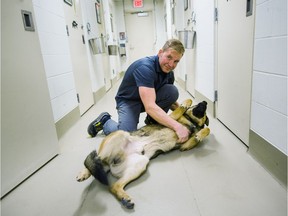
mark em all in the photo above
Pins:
pixel 148 97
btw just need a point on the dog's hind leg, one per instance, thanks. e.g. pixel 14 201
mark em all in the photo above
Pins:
pixel 95 167
pixel 194 140
pixel 83 175
pixel 136 165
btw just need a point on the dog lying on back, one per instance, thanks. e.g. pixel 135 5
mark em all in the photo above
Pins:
pixel 127 155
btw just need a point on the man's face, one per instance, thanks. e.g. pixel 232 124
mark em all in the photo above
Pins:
pixel 168 59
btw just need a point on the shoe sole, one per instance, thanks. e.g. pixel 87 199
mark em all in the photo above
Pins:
pixel 92 128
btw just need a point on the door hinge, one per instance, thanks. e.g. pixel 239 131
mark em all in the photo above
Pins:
pixel 78 98
pixel 216 14
pixel 216 95
pixel 67 30
pixel 83 39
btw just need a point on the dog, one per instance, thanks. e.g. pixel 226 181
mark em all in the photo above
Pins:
pixel 127 154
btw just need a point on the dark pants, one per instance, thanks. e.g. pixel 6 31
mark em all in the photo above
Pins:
pixel 129 111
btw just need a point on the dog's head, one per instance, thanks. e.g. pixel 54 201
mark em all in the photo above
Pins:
pixel 197 114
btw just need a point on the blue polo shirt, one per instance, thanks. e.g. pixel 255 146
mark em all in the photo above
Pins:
pixel 143 72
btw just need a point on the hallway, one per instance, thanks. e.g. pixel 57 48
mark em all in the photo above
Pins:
pixel 217 178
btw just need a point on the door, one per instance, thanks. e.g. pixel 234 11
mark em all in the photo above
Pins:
pixel 235 49
pixel 140 32
pixel 28 134
pixel 204 25
pixel 79 56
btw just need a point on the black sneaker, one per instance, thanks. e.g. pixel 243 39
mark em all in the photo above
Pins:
pixel 149 120
pixel 97 125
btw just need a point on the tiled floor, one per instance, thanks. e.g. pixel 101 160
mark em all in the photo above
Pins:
pixel 217 178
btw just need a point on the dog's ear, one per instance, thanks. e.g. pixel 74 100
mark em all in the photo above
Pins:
pixel 207 121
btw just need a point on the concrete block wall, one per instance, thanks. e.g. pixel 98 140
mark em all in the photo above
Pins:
pixel 269 92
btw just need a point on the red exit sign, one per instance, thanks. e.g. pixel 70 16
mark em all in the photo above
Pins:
pixel 137 3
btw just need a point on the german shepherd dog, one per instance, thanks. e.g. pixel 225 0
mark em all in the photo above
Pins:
pixel 127 154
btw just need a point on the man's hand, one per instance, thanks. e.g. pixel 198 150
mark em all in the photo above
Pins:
pixel 148 97
pixel 182 133
pixel 174 106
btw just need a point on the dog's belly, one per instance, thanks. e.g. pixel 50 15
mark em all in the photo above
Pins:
pixel 140 149
pixel 133 157
pixel 160 141
pixel 132 164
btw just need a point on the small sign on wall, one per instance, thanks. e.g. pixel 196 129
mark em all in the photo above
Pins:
pixel 138 3
pixel 69 2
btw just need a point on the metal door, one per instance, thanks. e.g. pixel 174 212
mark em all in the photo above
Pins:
pixel 234 65
pixel 140 32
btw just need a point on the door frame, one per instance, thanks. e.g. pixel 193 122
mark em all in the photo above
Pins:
pixel 131 38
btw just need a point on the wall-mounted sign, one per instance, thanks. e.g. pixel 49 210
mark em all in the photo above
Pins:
pixel 138 3
pixel 70 2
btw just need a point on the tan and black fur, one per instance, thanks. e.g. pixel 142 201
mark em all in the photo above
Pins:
pixel 127 155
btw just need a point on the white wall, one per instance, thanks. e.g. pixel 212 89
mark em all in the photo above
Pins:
pixel 160 33
pixel 204 44
pixel 118 12
pixel 269 94
pixel 111 29
pixel 205 66
pixel 96 65
pixel 51 27
pixel 158 14
pixel 181 69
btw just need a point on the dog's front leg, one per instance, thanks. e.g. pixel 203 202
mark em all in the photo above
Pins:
pixel 177 113
pixel 136 165
pixel 184 121
pixel 194 140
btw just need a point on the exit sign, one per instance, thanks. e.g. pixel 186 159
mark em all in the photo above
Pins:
pixel 137 3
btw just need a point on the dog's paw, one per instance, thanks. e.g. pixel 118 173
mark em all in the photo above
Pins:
pixel 127 203
pixel 202 134
pixel 186 103
pixel 191 143
pixel 186 147
pixel 83 175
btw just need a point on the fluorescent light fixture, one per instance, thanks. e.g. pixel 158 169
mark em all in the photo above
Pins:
pixel 142 14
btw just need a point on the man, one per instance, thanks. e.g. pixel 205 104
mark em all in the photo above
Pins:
pixel 147 86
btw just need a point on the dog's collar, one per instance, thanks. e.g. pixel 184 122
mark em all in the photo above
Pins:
pixel 194 124
pixel 194 128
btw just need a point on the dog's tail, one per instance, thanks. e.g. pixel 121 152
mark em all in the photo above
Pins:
pixel 94 164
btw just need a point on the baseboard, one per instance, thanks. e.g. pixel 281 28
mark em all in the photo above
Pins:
pixel 65 123
pixel 181 83
pixel 114 80
pixel 272 159
pixel 99 94
pixel 120 75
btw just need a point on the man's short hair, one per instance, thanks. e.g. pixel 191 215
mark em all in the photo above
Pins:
pixel 174 44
